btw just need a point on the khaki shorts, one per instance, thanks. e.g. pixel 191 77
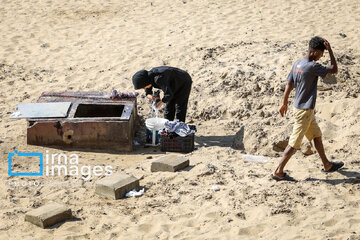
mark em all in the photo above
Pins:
pixel 305 125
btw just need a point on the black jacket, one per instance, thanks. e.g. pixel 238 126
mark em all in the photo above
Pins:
pixel 169 79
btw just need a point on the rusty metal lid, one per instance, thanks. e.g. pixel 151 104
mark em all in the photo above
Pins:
pixel 42 110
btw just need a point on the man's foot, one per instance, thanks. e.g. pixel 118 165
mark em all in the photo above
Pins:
pixel 335 166
pixel 285 177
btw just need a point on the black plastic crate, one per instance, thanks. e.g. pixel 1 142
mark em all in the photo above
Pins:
pixel 177 144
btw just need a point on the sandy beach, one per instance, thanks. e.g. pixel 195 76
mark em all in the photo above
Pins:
pixel 238 54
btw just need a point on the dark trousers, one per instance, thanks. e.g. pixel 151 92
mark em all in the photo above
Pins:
pixel 177 106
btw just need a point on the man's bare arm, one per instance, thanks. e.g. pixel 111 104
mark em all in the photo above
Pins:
pixel 284 107
pixel 333 67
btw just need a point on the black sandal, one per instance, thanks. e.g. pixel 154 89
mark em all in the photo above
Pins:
pixel 286 177
pixel 335 166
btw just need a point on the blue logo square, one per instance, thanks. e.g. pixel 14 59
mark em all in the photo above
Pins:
pixel 40 155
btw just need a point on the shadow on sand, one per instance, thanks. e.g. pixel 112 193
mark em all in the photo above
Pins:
pixel 210 141
pixel 73 219
pixel 351 178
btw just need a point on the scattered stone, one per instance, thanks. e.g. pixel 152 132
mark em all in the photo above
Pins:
pixel 238 142
pixel 223 75
pixel 324 88
pixel 208 196
pixel 193 183
pixel 307 149
pixel 329 79
pixel 343 35
pixel 280 146
pixel 149 157
pixel 116 185
pixel 281 211
pixel 261 114
pixel 259 106
pixel 169 163
pixel 282 87
pixel 209 169
pixel 241 215
pixel 49 215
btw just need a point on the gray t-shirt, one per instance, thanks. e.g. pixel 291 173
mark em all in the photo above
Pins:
pixel 305 75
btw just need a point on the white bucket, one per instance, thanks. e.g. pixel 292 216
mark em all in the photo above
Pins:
pixel 155 124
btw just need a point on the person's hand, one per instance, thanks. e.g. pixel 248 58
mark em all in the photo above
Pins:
pixel 159 104
pixel 283 110
pixel 152 98
pixel 327 45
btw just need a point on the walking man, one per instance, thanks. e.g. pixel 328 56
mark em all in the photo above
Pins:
pixel 304 76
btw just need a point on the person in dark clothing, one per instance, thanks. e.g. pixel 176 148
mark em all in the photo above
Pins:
pixel 176 85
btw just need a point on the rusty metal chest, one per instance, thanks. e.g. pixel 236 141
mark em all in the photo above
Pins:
pixel 81 120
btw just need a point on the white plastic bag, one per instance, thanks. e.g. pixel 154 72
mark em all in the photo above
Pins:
pixel 134 193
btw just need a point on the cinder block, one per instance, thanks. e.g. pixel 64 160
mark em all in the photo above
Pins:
pixel 48 215
pixel 169 163
pixel 116 185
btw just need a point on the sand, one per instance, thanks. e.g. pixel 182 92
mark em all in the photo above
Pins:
pixel 239 54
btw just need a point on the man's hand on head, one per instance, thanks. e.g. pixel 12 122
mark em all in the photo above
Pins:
pixel 327 44
pixel 334 68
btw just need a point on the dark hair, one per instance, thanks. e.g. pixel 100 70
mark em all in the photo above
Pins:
pixel 316 43
pixel 140 79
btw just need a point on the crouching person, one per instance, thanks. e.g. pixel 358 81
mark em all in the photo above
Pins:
pixel 174 82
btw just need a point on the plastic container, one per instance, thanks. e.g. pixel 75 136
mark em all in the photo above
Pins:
pixel 149 136
pixel 255 158
pixel 177 144
pixel 154 125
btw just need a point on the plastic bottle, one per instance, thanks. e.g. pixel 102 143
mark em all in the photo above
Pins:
pixel 254 158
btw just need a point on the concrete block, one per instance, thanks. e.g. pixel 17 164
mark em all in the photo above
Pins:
pixel 116 185
pixel 48 215
pixel 169 163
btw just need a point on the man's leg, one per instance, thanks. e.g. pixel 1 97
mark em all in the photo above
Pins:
pixel 181 108
pixel 182 103
pixel 289 151
pixel 169 112
pixel 320 148
pixel 300 128
pixel 314 132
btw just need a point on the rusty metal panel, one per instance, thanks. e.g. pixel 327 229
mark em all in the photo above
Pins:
pixel 116 136
pixel 42 110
